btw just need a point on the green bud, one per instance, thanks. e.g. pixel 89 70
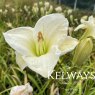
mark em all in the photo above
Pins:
pixel 83 51
pixel 42 11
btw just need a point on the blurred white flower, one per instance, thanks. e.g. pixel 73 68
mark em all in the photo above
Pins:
pixel 42 11
pixel 13 10
pixel 71 18
pixel 58 9
pixel 89 26
pixel 40 3
pixel 35 5
pixel 26 8
pixel 50 9
pixel 9 24
pixel 84 17
pixel 35 10
pixel 20 10
pixel 39 48
pixel 7 5
pixel 5 11
pixel 69 11
pixel 47 4
pixel 22 90
pixel 1 10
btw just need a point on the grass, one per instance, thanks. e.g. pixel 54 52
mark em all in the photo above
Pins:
pixel 11 74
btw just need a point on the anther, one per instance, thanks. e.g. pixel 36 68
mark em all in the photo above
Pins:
pixel 40 36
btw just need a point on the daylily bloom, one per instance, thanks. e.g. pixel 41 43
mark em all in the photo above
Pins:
pixel 22 90
pixel 39 48
pixel 89 26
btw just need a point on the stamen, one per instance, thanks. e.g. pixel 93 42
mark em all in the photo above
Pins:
pixel 41 46
pixel 40 37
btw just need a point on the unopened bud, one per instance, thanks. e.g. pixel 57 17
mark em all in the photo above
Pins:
pixel 42 11
pixel 47 5
pixel 40 3
pixel 58 9
pixel 50 9
pixel 83 51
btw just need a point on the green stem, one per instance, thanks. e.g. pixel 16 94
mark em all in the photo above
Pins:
pixel 5 91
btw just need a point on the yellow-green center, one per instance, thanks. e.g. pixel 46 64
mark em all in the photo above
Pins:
pixel 41 47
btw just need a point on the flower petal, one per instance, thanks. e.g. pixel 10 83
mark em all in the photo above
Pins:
pixel 19 60
pixel 91 19
pixel 81 26
pixel 67 44
pixel 44 64
pixel 52 25
pixel 21 90
pixel 20 39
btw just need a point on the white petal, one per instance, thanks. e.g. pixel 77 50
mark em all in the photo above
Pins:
pixel 19 60
pixel 91 33
pixel 81 26
pixel 44 64
pixel 21 90
pixel 20 39
pixel 91 19
pixel 67 44
pixel 52 25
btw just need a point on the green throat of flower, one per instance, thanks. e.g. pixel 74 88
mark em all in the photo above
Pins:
pixel 41 47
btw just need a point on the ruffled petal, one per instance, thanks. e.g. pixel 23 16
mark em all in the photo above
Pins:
pixel 91 19
pixel 52 25
pixel 44 64
pixel 20 39
pixel 67 44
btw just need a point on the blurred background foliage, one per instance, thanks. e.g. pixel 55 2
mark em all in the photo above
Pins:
pixel 16 13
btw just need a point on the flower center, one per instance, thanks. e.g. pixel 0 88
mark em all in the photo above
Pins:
pixel 41 45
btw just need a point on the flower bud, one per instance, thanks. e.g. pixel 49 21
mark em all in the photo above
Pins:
pixel 58 9
pixel 40 3
pixel 35 10
pixel 47 5
pixel 26 8
pixel 1 10
pixel 42 11
pixel 83 51
pixel 22 90
pixel 35 5
pixel 69 11
pixel 51 9
pixel 9 24
pixel 13 10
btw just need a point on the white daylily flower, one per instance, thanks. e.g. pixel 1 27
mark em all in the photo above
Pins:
pixel 22 90
pixel 89 26
pixel 40 47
